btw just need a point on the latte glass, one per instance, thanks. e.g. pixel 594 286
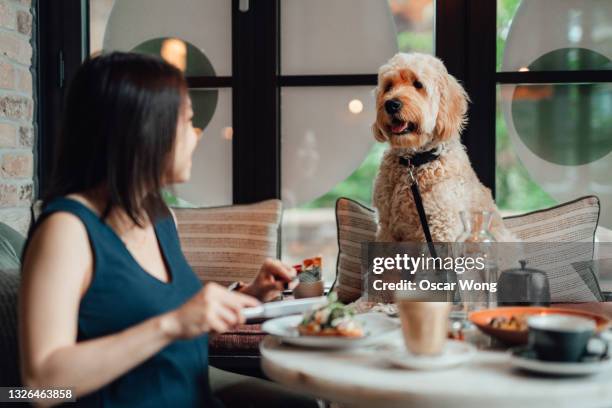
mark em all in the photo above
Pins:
pixel 424 325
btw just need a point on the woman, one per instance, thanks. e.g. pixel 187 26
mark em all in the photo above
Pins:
pixel 108 304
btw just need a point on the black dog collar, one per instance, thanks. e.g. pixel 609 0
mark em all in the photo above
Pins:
pixel 412 163
pixel 419 159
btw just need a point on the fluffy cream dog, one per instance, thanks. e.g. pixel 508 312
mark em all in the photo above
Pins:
pixel 422 108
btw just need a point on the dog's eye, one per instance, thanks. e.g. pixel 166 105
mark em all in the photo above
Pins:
pixel 417 84
pixel 388 86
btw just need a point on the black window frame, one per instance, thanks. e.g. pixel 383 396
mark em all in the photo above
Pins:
pixel 465 39
pixel 256 83
pixel 471 26
pixel 60 44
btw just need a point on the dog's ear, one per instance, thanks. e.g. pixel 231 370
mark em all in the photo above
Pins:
pixel 378 135
pixel 452 109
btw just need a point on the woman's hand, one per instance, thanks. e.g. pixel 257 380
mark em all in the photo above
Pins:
pixel 212 309
pixel 270 280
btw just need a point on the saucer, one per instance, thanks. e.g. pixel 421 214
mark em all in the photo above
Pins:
pixel 524 358
pixel 454 353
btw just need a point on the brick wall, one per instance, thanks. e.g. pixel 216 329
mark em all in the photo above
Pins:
pixel 16 113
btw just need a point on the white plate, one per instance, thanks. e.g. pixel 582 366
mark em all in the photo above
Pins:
pixel 376 326
pixel 454 353
pixel 519 360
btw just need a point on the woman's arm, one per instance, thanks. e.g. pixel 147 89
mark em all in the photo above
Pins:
pixel 56 272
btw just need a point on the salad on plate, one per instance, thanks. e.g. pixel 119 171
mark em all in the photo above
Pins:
pixel 333 319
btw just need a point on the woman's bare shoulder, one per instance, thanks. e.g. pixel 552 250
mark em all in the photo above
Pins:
pixel 60 247
pixel 61 221
pixel 65 224
pixel 62 231
pixel 59 233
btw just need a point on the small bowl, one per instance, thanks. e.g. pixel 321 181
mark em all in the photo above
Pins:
pixel 309 289
pixel 482 318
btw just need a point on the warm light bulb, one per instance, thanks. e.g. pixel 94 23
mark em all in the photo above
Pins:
pixel 355 106
pixel 174 51
pixel 228 133
pixel 523 69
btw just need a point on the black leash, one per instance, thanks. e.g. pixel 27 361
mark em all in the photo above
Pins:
pixel 412 163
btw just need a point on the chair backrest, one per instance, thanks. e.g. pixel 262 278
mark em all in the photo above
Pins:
pixel 9 351
pixel 11 246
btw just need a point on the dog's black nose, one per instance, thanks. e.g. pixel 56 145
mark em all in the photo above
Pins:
pixel 392 106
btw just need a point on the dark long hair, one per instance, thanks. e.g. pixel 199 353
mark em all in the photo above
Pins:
pixel 118 131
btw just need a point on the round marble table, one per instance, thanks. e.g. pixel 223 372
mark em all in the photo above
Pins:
pixel 360 378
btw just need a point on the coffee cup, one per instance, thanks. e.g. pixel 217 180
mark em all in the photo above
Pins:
pixel 564 338
pixel 424 325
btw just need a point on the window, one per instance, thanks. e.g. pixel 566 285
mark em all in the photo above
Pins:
pixel 173 31
pixel 325 98
pixel 328 148
pixel 554 108
pixel 283 90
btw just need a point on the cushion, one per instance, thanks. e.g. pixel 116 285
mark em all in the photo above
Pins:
pixel 566 233
pixel 574 221
pixel 356 223
pixel 229 244
pixel 571 222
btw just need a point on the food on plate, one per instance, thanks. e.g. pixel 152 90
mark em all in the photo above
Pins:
pixel 516 323
pixel 334 319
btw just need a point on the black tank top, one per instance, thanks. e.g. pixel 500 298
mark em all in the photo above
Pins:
pixel 122 294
